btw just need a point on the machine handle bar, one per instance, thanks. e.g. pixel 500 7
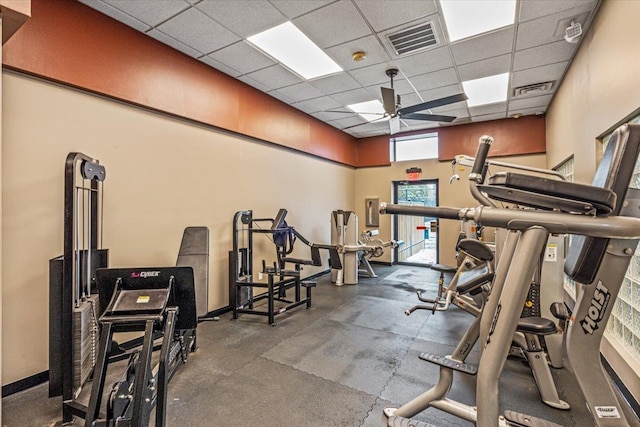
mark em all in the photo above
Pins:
pixel 618 227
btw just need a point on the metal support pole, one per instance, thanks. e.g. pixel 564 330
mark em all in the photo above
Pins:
pixel 504 323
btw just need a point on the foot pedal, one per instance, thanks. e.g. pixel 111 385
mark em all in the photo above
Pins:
pixel 518 419
pixel 309 284
pixel 405 422
pixel 449 363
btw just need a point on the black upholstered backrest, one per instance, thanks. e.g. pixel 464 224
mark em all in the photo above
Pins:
pixel 614 172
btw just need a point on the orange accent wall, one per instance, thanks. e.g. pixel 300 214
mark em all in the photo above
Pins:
pixel 14 14
pixel 512 137
pixel 68 42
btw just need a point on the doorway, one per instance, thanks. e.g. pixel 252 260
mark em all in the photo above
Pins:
pixel 419 234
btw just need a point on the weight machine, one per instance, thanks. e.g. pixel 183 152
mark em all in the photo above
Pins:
pixel 605 218
pixel 87 305
pixel 243 279
pixel 73 296
pixel 354 253
pixel 161 303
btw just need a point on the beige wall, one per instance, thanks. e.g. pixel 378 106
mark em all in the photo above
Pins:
pixel 377 182
pixel 600 89
pixel 162 175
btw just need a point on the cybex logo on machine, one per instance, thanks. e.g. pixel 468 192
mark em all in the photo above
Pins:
pixel 599 303
pixel 607 412
pixel 144 274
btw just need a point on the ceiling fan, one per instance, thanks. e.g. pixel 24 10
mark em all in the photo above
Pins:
pixel 394 110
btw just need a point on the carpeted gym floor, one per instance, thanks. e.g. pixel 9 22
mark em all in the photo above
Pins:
pixel 337 364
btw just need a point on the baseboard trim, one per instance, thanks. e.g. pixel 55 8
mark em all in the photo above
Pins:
pixel 387 263
pixel 25 383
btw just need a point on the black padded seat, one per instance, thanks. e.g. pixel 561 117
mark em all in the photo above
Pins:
pixel 614 172
pixel 470 281
pixel 476 249
pixel 536 325
pixel 545 193
pixel 443 268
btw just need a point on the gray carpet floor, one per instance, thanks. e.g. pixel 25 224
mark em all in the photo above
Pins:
pixel 339 363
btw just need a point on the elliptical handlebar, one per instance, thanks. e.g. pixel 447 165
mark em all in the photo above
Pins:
pixel 478 170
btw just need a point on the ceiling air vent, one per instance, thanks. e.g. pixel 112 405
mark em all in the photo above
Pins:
pixel 413 39
pixel 533 89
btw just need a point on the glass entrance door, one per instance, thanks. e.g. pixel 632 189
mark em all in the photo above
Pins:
pixel 419 234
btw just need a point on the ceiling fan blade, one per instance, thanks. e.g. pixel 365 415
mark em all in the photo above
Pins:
pixel 429 117
pixel 352 112
pixel 388 100
pixel 433 104
pixel 394 125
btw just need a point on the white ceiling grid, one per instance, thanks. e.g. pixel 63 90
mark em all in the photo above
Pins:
pixel 214 32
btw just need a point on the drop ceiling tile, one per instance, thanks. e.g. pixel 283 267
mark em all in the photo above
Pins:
pixel 116 14
pixel 220 66
pixel 243 57
pixel 241 17
pixel 488 117
pixel 383 15
pixel 327 116
pixel 194 1
pixel 436 79
pixel 485 46
pixel 418 125
pixel 441 92
pixel 352 96
pixel 538 75
pixel 343 53
pixel 527 111
pixel 536 9
pixel 425 62
pixel 295 8
pixel 410 99
pixel 333 24
pixel 371 132
pixel 455 111
pixel 537 101
pixel 150 12
pixel 348 121
pixel 300 92
pixel 481 110
pixel 549 29
pixel 170 41
pixel 315 105
pixel 335 83
pixel 277 95
pixel 275 77
pixel 251 82
pixel 197 30
pixel 543 55
pixel 485 68
pixel 372 75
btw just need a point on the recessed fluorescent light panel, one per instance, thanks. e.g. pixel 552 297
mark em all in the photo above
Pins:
pixel 487 90
pixel 370 110
pixel 466 18
pixel 288 45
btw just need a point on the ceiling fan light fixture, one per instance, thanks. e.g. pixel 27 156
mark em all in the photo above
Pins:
pixel 466 18
pixel 292 48
pixel 486 90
